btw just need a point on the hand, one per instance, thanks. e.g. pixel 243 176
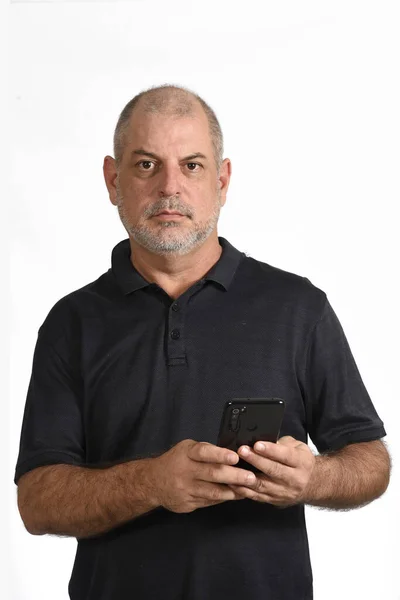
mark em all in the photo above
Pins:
pixel 196 474
pixel 286 471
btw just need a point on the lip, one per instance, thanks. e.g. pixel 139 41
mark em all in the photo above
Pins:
pixel 169 212
pixel 166 215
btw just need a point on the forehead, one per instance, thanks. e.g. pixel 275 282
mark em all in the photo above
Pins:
pixel 163 132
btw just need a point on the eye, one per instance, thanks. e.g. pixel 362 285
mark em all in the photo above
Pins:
pixel 192 166
pixel 145 164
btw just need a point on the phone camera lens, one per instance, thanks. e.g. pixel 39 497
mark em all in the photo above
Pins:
pixel 235 411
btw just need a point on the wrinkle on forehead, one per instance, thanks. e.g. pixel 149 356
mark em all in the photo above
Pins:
pixel 162 133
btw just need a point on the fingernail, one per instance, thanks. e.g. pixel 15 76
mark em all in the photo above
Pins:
pixel 260 446
pixel 244 451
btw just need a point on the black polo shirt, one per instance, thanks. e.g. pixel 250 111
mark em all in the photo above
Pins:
pixel 121 371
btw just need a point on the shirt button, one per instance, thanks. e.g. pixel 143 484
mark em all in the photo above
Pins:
pixel 175 334
pixel 175 307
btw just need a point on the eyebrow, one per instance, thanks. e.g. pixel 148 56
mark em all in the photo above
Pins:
pixel 143 152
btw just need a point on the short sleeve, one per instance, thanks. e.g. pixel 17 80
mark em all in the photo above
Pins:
pixel 52 428
pixel 339 408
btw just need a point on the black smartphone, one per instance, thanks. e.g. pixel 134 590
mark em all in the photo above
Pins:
pixel 246 421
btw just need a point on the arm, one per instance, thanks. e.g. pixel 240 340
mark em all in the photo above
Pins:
pixel 291 474
pixel 82 502
pixel 336 403
pixel 351 477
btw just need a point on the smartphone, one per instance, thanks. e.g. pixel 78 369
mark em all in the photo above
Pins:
pixel 246 421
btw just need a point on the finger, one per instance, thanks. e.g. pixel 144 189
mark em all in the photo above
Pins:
pixel 225 474
pixel 289 441
pixel 202 503
pixel 251 494
pixel 214 492
pixel 205 452
pixel 271 493
pixel 285 454
pixel 271 468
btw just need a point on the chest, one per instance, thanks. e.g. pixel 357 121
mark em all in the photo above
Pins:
pixel 150 383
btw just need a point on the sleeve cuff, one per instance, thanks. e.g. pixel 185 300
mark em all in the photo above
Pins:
pixel 350 437
pixel 42 459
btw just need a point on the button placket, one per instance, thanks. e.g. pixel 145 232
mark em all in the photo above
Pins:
pixel 175 344
pixel 176 322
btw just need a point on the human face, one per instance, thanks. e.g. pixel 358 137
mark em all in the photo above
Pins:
pixel 169 164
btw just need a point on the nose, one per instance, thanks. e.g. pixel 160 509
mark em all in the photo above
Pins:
pixel 169 181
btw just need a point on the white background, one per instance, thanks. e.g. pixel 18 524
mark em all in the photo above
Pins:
pixel 307 95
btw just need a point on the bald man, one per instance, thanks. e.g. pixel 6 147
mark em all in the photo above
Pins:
pixel 131 373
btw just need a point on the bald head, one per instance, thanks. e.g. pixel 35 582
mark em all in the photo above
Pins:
pixel 171 101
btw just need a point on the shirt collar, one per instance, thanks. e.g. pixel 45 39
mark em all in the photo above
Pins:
pixel 129 279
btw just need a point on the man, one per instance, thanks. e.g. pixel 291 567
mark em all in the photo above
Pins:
pixel 131 373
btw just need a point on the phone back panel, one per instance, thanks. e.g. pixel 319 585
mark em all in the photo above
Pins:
pixel 248 420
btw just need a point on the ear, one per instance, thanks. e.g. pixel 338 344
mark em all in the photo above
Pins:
pixel 224 178
pixel 110 175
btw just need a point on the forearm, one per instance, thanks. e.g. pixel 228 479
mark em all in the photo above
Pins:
pixel 349 478
pixel 82 502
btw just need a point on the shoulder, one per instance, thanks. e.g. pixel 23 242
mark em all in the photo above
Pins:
pixel 65 315
pixel 283 286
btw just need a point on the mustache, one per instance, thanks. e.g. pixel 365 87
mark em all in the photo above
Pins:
pixel 173 203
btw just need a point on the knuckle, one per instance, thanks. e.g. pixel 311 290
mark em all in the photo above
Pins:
pixel 187 507
pixel 258 485
pixel 201 450
pixel 189 446
pixel 275 470
pixel 196 491
pixel 252 494
pixel 211 474
pixel 303 480
pixel 179 485
pixel 296 484
pixel 245 479
pixel 215 494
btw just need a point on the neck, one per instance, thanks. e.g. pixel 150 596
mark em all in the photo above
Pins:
pixel 173 273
